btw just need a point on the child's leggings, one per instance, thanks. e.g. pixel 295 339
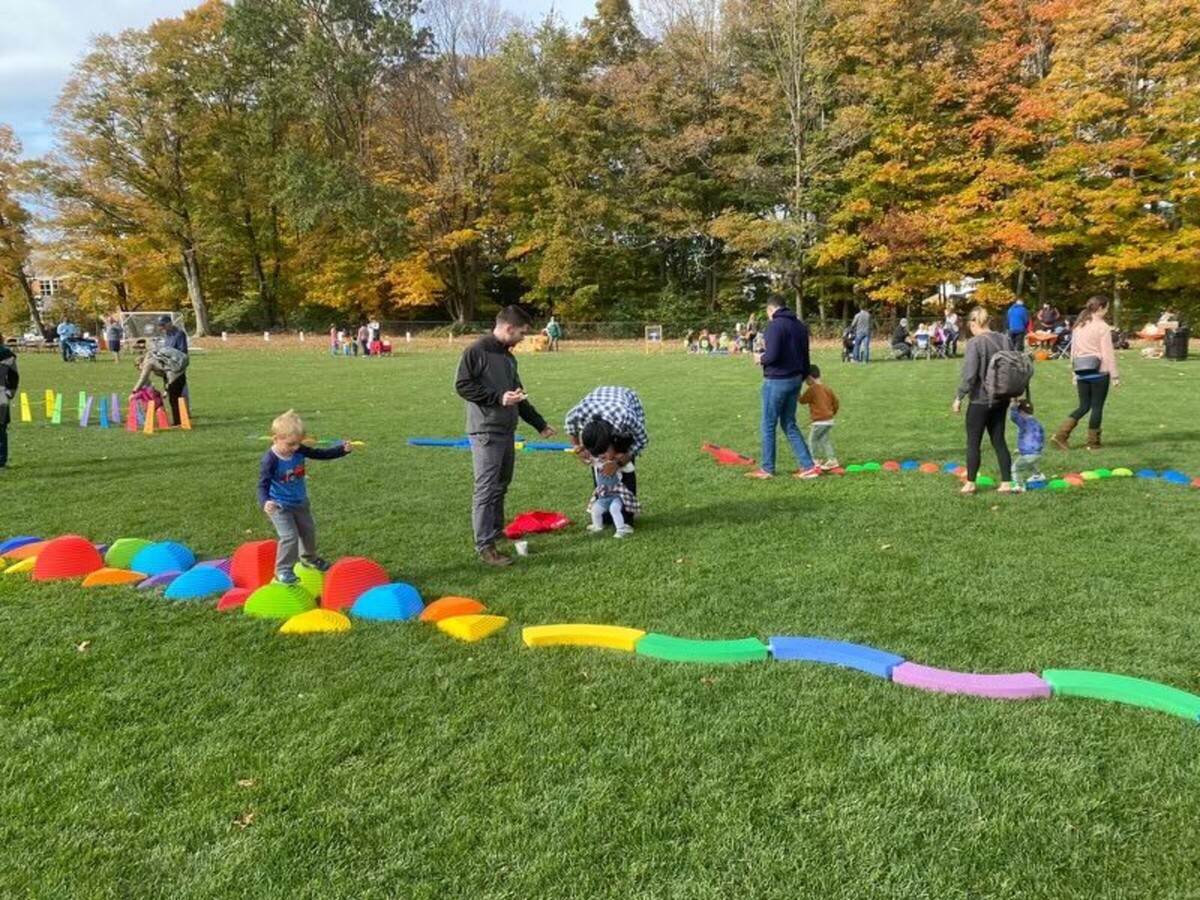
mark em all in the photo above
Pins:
pixel 297 537
pixel 615 509
pixel 820 441
pixel 1025 465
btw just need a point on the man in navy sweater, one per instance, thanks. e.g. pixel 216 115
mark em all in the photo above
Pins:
pixel 785 366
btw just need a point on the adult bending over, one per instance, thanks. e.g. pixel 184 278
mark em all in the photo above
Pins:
pixel 984 413
pixel 169 364
pixel 1094 364
pixel 609 424
pixel 487 379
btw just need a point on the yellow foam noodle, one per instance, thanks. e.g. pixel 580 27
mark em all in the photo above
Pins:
pixel 24 565
pixel 316 621
pixel 613 637
pixel 185 417
pixel 472 628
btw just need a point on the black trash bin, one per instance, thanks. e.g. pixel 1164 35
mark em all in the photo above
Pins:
pixel 1175 342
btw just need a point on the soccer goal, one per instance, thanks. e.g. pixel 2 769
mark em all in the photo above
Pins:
pixel 142 330
pixel 654 338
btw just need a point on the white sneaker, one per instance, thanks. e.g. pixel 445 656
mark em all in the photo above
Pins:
pixel 595 529
pixel 624 532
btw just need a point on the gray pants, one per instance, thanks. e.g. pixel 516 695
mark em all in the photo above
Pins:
pixel 493 456
pixel 820 441
pixel 1024 466
pixel 297 537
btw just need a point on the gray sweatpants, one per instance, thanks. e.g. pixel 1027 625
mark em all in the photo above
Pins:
pixel 493 456
pixel 820 441
pixel 297 537
pixel 1025 466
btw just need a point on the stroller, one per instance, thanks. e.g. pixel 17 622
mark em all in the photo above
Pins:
pixel 81 348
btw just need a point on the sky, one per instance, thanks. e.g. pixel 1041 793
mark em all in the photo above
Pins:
pixel 40 40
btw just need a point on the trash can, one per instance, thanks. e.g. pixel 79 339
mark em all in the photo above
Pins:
pixel 1175 342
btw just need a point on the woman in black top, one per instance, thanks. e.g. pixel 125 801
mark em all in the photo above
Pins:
pixel 983 414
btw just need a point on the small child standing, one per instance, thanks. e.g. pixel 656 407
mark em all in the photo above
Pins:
pixel 823 405
pixel 1031 441
pixel 612 497
pixel 283 495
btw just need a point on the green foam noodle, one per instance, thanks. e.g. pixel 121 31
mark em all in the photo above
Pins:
pixel 1123 689
pixel 674 649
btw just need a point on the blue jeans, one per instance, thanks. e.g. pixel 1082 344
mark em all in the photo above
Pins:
pixel 779 408
pixel 862 348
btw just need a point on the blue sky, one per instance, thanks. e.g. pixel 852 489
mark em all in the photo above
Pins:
pixel 41 39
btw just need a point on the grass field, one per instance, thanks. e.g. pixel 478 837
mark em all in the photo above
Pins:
pixel 395 762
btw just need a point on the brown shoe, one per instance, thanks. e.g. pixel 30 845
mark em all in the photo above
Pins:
pixel 1062 437
pixel 494 557
pixel 1094 439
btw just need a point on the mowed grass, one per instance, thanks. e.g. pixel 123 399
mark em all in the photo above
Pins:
pixel 396 762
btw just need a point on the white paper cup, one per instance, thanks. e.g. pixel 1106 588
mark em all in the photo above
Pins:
pixel 522 548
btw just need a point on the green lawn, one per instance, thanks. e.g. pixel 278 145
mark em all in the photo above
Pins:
pixel 394 762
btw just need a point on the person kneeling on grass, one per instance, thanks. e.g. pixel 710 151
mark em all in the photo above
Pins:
pixel 283 495
pixel 612 497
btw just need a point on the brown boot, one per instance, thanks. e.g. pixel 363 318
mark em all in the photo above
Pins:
pixel 1094 439
pixel 1062 437
pixel 494 557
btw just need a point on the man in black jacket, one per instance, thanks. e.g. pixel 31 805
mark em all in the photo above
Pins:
pixel 785 364
pixel 487 379
pixel 10 379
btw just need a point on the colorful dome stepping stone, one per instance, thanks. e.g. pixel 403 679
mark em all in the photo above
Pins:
pixel 161 580
pixel 611 637
pixel 854 468
pixel 1123 689
pixel 1146 473
pixel 1174 477
pixel 70 556
pixel 21 565
pixel 871 467
pixel 1122 473
pixel 472 628
pixel 910 465
pixel 1016 686
pixel 166 556
pixel 312 580
pixel 25 551
pixel 350 578
pixel 198 583
pixel 223 564
pixel 1090 475
pixel 675 649
pixel 389 603
pixel 1104 473
pixel 121 552
pixel 234 598
pixel 253 564
pixel 951 468
pixel 278 601
pixel 985 481
pixel 108 577
pixel 930 468
pixel 1058 485
pixel 891 466
pixel 1035 485
pixel 316 621
pixel 875 662
pixel 1074 479
pixel 14 542
pixel 448 607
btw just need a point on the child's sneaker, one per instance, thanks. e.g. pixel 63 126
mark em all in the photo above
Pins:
pixel 1035 479
pixel 594 529
pixel 287 578
pixel 314 562
pixel 808 474
pixel 624 532
pixel 830 465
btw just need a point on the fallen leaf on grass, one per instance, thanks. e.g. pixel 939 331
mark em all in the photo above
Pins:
pixel 246 782
pixel 707 681
pixel 886 547
pixel 82 647
pixel 245 820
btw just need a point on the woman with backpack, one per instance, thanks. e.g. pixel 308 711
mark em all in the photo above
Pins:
pixel 986 411
pixel 1094 365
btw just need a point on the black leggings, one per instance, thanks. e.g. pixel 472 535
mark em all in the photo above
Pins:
pixel 991 419
pixel 174 391
pixel 1092 394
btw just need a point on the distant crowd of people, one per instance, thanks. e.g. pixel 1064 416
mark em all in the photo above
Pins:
pixel 366 340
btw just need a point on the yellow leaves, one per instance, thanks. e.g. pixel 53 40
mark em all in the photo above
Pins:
pixel 414 282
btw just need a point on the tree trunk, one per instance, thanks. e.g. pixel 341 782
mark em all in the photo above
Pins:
pixel 191 275
pixel 31 301
pixel 1116 303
